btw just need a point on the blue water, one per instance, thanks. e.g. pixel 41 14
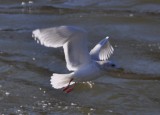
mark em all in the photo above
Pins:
pixel 26 67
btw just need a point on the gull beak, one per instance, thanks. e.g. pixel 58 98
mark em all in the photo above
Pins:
pixel 118 68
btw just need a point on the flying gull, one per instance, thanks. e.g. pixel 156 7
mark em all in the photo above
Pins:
pixel 82 64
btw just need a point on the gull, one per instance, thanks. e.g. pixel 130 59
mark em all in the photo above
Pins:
pixel 83 65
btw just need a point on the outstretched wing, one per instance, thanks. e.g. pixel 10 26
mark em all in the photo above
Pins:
pixel 55 36
pixel 72 39
pixel 102 51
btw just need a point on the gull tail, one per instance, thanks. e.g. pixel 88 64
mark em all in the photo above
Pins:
pixel 61 80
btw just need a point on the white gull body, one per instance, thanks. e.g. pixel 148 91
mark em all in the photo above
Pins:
pixel 82 64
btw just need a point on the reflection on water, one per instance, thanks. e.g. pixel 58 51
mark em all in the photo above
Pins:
pixel 26 67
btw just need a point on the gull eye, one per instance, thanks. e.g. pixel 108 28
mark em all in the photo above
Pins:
pixel 113 65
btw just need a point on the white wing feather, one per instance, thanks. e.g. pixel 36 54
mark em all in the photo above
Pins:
pixel 102 51
pixel 72 39
pixel 53 37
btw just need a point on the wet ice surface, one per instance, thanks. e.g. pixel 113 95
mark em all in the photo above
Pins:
pixel 26 67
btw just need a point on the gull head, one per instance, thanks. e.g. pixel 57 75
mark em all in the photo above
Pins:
pixel 107 65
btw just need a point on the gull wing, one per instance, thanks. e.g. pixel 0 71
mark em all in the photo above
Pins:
pixel 72 39
pixel 102 51
pixel 53 37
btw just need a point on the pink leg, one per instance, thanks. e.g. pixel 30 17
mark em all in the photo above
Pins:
pixel 68 85
pixel 69 89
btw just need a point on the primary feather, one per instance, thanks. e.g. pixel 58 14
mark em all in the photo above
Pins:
pixel 102 51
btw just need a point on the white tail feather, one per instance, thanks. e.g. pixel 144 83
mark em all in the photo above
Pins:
pixel 36 33
pixel 61 80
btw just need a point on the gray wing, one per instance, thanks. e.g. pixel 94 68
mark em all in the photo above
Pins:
pixel 102 51
pixel 72 39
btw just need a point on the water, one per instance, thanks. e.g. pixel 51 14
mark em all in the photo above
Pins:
pixel 26 67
